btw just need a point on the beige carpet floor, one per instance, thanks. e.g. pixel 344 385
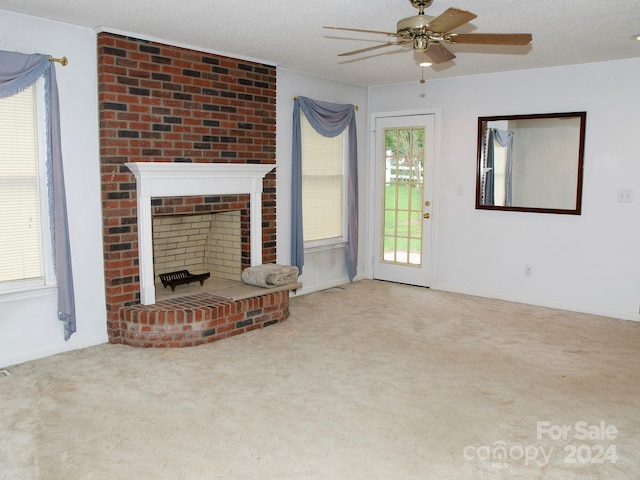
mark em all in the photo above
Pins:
pixel 370 381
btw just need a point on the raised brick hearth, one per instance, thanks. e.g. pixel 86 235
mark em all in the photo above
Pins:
pixel 200 318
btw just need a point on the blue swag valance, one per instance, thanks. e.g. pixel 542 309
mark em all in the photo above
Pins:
pixel 17 72
pixel 329 120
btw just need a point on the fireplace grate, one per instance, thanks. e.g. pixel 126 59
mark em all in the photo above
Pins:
pixel 173 279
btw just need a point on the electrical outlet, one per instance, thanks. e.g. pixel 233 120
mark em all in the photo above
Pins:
pixel 625 195
pixel 528 271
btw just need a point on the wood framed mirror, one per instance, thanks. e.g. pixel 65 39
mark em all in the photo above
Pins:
pixel 531 163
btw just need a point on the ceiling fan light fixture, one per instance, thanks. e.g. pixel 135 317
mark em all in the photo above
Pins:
pixel 636 36
pixel 425 63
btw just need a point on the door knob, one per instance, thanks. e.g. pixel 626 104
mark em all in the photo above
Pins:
pixel 426 215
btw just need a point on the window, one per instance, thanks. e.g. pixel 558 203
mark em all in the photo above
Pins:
pixel 323 186
pixel 23 200
pixel 500 174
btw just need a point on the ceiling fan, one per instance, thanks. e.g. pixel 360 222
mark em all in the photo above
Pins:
pixel 427 33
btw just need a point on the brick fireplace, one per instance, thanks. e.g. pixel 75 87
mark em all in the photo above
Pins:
pixel 166 104
pixel 176 179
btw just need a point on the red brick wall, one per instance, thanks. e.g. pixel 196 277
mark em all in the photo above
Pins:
pixel 160 103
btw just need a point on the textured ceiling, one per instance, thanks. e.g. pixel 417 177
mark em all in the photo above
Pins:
pixel 289 33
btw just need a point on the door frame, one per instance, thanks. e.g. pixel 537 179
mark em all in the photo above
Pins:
pixel 373 199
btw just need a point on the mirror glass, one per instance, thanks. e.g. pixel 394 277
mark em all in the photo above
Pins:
pixel 531 163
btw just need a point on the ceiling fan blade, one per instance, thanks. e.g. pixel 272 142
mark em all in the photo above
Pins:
pixel 439 54
pixel 375 47
pixel 450 19
pixel 490 38
pixel 391 34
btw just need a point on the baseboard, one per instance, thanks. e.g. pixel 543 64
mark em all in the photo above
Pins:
pixel 324 286
pixel 54 350
pixel 602 312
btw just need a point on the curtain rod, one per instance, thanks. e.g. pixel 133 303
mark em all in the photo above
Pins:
pixel 355 106
pixel 62 61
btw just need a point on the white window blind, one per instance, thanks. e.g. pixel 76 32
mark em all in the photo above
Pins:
pixel 20 216
pixel 322 184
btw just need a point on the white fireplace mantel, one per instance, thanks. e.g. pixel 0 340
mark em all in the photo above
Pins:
pixel 167 179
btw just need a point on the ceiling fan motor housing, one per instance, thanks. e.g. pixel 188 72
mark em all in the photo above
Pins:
pixel 411 26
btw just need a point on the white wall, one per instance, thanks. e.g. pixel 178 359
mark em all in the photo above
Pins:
pixel 29 327
pixel 588 263
pixel 325 268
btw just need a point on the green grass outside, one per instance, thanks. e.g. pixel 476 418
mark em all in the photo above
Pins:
pixel 409 222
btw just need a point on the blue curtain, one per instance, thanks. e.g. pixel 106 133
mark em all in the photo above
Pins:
pixel 504 138
pixel 329 120
pixel 17 72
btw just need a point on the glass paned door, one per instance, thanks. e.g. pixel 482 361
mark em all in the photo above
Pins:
pixel 404 176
